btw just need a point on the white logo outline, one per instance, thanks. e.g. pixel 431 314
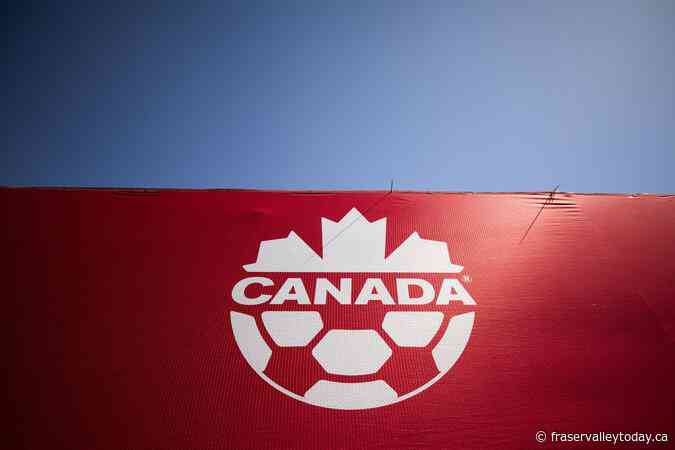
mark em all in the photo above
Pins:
pixel 367 239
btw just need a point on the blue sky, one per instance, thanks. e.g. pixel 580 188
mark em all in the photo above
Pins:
pixel 452 96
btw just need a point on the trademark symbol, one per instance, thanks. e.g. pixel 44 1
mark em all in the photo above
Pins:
pixel 466 278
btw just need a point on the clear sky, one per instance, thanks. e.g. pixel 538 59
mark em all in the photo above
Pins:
pixel 453 96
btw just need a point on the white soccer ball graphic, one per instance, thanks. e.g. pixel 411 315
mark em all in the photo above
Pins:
pixel 353 366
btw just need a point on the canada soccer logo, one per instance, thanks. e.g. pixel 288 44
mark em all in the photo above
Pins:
pixel 351 329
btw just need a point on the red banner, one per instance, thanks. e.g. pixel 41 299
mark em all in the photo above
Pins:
pixel 250 319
